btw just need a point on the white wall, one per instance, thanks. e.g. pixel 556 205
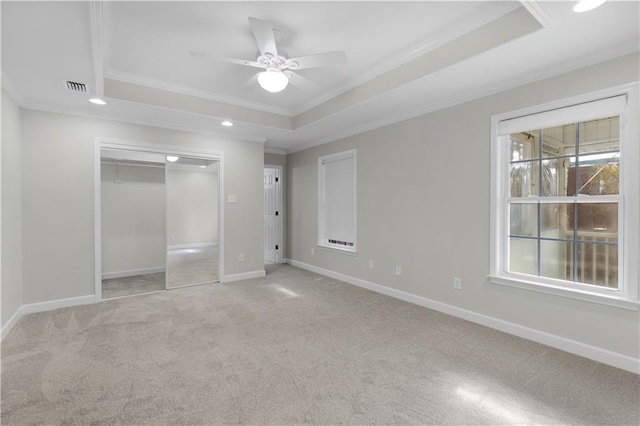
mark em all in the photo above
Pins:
pixel 11 202
pixel 192 208
pixel 133 218
pixel 423 203
pixel 58 198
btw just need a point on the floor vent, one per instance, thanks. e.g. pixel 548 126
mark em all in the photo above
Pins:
pixel 73 86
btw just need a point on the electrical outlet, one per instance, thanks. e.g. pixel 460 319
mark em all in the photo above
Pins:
pixel 457 283
pixel 371 264
pixel 398 270
pixel 313 251
pixel 232 199
pixel 241 257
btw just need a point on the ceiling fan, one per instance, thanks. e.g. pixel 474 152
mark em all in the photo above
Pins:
pixel 278 70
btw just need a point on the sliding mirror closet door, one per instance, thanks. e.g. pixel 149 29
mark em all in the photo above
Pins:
pixel 192 220
pixel 133 211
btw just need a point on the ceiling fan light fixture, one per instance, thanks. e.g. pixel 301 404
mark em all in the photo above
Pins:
pixel 273 80
pixel 586 5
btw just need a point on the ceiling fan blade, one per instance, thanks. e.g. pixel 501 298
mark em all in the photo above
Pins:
pixel 319 60
pixel 263 32
pixel 300 82
pixel 252 82
pixel 198 54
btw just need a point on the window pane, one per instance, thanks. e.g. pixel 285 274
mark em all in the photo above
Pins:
pixel 556 220
pixel 599 135
pixel 599 173
pixel 524 146
pixel 523 255
pixel 556 259
pixel 550 179
pixel 524 179
pixel 523 220
pixel 558 141
pixel 598 264
pixel 598 220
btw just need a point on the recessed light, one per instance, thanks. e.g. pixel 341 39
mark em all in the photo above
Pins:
pixel 97 101
pixel 172 158
pixel 586 5
pixel 227 123
pixel 203 166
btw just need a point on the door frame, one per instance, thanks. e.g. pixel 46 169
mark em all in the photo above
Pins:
pixel 280 219
pixel 125 145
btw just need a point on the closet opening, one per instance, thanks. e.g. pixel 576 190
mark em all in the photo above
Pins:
pixel 158 219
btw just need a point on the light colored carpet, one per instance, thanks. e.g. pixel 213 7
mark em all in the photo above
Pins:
pixel 293 347
pixel 116 287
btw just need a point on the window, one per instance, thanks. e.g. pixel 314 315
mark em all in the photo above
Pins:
pixel 565 199
pixel 337 201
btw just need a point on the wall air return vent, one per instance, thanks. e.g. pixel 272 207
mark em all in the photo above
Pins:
pixel 75 87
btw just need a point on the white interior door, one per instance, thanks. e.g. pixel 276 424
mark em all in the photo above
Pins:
pixel 272 216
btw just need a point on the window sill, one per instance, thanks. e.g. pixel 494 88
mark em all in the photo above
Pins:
pixel 338 250
pixel 563 292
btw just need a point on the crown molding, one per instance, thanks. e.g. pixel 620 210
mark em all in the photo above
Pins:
pixel 594 59
pixel 275 151
pixel 36 106
pixel 460 27
pixel 97 45
pixel 11 89
pixel 537 11
pixel 157 84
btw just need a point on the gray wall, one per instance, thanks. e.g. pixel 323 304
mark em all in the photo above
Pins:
pixel 133 218
pixel 11 203
pixel 58 198
pixel 423 203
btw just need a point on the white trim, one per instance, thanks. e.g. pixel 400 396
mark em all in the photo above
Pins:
pixel 189 91
pixel 57 304
pixel 119 144
pixel 242 276
pixel 17 315
pixel 192 245
pixel 537 11
pixel 275 151
pixel 97 45
pixel 598 298
pixel 132 272
pixel 604 356
pixel 11 89
pixel 50 305
pixel 97 221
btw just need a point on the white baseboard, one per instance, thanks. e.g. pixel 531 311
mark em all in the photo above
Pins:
pixel 577 348
pixel 32 308
pixel 193 245
pixel 243 276
pixel 132 272
pixel 11 323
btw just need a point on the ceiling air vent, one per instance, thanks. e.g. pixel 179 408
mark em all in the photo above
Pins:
pixel 73 86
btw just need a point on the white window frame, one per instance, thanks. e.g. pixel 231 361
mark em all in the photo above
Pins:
pixel 627 294
pixel 322 239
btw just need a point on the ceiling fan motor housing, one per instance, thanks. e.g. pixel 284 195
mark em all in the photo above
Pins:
pixel 279 62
